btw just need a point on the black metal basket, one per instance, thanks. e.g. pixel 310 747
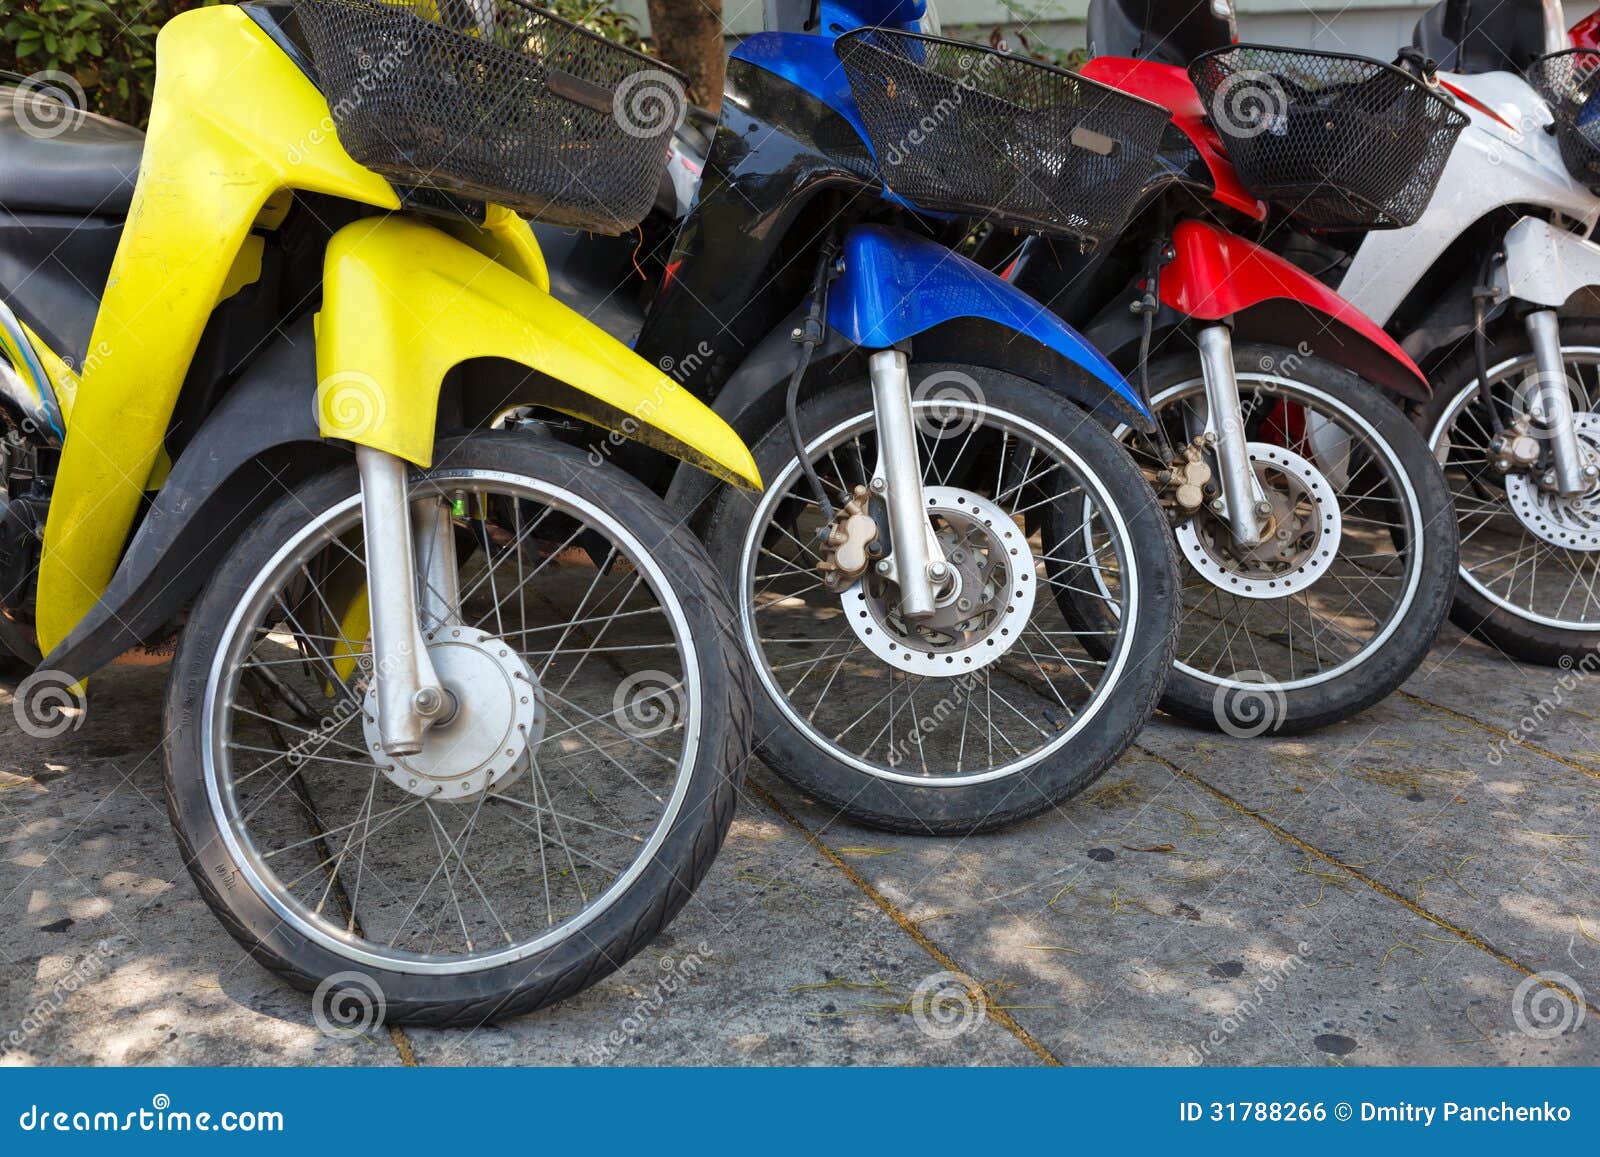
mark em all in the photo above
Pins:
pixel 1341 142
pixel 1567 81
pixel 498 101
pixel 959 128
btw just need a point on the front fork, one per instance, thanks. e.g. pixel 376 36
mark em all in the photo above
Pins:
pixel 1551 407
pixel 398 532
pixel 1245 505
pixel 916 562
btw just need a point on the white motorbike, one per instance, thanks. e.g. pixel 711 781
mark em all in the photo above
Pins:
pixel 1495 291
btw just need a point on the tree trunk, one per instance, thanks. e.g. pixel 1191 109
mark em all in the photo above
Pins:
pixel 688 36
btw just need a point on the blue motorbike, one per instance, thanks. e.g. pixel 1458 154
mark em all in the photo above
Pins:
pixel 957 587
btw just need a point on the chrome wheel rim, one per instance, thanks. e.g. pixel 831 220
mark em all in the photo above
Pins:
pixel 1327 628
pixel 392 879
pixel 1503 558
pixel 919 729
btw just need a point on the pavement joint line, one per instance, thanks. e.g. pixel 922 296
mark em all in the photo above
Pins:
pixel 1466 935
pixel 907 925
pixel 402 1045
pixel 1502 733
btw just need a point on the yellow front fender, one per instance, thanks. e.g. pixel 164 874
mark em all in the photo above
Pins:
pixel 404 303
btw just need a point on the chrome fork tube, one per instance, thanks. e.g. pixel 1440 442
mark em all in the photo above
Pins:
pixel 898 478
pixel 434 545
pixel 408 691
pixel 1551 405
pixel 1241 491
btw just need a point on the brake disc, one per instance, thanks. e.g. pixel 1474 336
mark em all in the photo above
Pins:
pixel 1570 523
pixel 977 616
pixel 1303 535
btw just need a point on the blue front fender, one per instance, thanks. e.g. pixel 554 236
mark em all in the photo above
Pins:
pixel 896 285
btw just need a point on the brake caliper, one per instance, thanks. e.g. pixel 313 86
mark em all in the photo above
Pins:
pixel 847 548
pixel 1182 486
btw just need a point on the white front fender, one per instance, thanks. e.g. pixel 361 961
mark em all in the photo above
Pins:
pixel 1545 265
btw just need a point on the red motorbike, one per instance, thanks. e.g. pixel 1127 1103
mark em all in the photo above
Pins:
pixel 1318 552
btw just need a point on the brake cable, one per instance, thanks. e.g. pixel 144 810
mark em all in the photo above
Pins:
pixel 1483 294
pixel 810 335
pixel 1147 305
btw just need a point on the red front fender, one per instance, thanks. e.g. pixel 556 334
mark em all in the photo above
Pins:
pixel 1217 274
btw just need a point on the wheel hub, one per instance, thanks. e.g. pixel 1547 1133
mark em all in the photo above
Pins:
pixel 1301 537
pixel 1572 523
pixel 498 717
pixel 980 610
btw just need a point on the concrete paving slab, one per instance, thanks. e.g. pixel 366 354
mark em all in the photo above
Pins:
pixel 1287 901
pixel 1132 925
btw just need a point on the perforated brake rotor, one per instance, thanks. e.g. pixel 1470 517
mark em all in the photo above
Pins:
pixel 1302 541
pixel 498 716
pixel 1569 523
pixel 978 616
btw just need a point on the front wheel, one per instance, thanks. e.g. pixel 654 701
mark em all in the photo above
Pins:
pixel 1343 598
pixel 995 707
pixel 553 822
pixel 1530 558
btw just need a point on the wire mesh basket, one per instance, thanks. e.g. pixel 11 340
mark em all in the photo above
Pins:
pixel 498 101
pixel 1568 81
pixel 959 128
pixel 1341 142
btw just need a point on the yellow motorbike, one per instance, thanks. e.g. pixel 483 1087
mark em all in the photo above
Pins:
pixel 456 716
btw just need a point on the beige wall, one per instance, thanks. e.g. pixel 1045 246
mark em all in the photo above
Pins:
pixel 1368 27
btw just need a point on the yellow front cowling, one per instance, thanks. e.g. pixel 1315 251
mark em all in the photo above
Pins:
pixel 233 123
